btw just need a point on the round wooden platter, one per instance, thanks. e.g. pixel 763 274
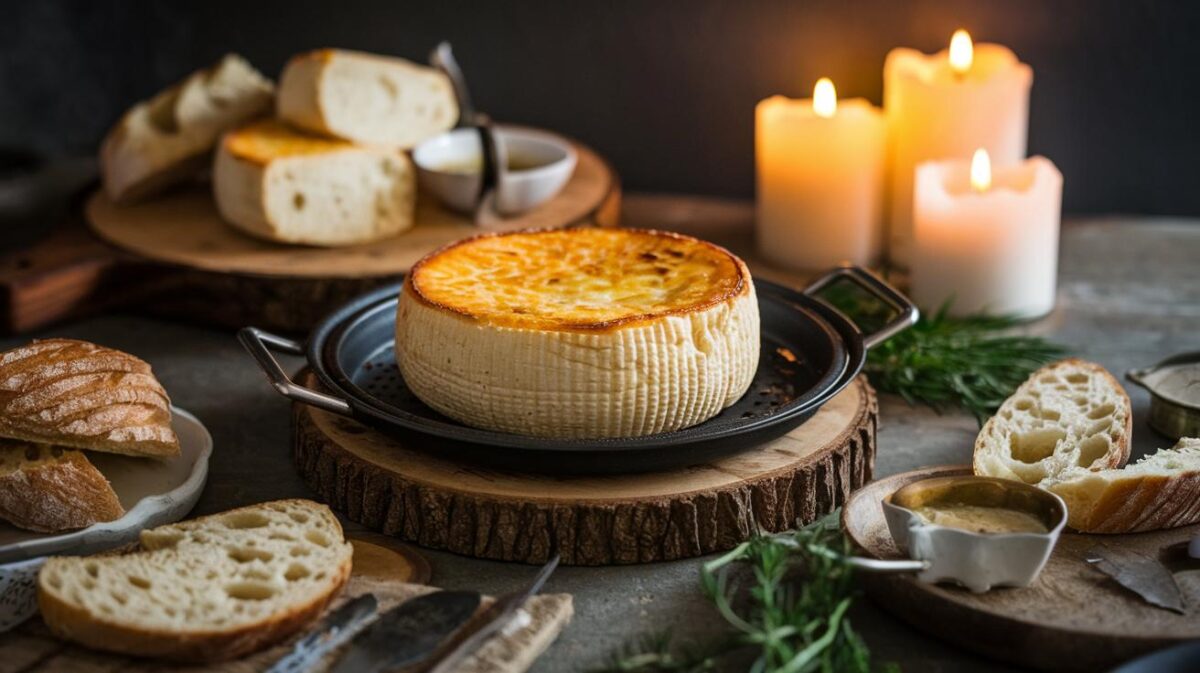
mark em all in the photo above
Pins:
pixel 1072 618
pixel 220 275
pixel 405 490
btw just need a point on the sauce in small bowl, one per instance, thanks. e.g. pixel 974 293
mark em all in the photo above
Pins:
pixel 538 166
pixel 979 532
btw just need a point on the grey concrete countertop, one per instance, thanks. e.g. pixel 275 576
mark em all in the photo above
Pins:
pixel 1129 295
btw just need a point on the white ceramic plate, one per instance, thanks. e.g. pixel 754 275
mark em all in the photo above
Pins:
pixel 153 493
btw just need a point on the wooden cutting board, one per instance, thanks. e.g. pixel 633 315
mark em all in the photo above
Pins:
pixel 1072 618
pixel 174 255
pixel 407 490
pixel 391 571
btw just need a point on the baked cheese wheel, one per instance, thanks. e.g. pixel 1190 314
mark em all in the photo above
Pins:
pixel 579 333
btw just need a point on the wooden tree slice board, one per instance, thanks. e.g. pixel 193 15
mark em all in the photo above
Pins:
pixel 380 568
pixel 184 229
pixel 1072 618
pixel 402 488
pixel 174 256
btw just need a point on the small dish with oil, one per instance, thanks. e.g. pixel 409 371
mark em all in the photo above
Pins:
pixel 979 532
pixel 536 166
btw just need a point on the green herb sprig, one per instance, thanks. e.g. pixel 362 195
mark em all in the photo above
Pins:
pixel 790 615
pixel 973 362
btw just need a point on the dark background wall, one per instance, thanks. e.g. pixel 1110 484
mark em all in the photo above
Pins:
pixel 665 89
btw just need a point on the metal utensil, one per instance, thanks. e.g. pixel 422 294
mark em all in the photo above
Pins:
pixel 1139 573
pixel 497 617
pixel 338 627
pixel 442 58
pixel 409 633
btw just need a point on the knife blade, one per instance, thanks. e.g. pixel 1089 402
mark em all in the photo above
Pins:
pixel 337 627
pixel 1140 574
pixel 408 633
pixel 496 618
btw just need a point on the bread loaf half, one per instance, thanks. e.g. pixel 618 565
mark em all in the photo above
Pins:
pixel 169 138
pixel 365 98
pixel 80 395
pixel 1069 414
pixel 210 589
pixel 281 185
pixel 50 489
pixel 1160 491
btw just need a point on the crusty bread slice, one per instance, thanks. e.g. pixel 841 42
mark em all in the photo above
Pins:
pixel 364 98
pixel 1069 414
pixel 1161 490
pixel 50 489
pixel 77 394
pixel 209 589
pixel 290 187
pixel 169 138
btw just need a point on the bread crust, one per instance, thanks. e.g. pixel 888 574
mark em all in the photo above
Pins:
pixel 75 624
pixel 53 489
pixel 731 281
pixel 77 394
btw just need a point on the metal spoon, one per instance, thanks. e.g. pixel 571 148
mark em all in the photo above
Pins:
pixel 442 58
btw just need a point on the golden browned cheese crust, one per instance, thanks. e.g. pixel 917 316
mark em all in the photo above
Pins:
pixel 584 279
pixel 269 139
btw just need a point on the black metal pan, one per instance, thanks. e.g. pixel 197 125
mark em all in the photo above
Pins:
pixel 810 352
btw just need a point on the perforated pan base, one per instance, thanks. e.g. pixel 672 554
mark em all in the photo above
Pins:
pixel 809 352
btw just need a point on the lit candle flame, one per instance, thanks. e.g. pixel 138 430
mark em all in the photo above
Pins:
pixel 981 171
pixel 824 98
pixel 962 52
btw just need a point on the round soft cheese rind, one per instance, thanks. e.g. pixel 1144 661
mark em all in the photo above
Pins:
pixel 579 334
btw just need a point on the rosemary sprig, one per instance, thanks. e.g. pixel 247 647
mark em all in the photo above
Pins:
pixel 791 617
pixel 973 362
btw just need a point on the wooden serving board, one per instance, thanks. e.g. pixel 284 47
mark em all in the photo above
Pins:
pixel 391 571
pixel 406 490
pixel 174 255
pixel 1072 618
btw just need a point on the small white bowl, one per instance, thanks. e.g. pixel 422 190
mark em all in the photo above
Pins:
pixel 450 166
pixel 977 561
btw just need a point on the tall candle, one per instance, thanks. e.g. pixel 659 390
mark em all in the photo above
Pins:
pixel 820 177
pixel 988 239
pixel 943 106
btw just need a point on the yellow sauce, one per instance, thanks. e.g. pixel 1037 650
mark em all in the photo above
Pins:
pixel 472 166
pixel 980 519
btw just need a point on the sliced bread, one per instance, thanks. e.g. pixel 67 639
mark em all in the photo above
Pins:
pixel 1161 490
pixel 286 186
pixel 49 489
pixel 169 138
pixel 1069 414
pixel 364 98
pixel 209 589
pixel 79 395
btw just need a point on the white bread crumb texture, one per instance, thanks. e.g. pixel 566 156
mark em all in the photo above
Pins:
pixel 211 574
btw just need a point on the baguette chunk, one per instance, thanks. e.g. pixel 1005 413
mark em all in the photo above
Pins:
pixel 364 98
pixel 289 187
pixel 168 139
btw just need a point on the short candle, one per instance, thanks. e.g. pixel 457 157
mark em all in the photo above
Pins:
pixel 986 238
pixel 820 178
pixel 944 106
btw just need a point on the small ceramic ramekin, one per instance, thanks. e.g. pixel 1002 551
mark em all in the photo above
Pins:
pixel 446 168
pixel 977 561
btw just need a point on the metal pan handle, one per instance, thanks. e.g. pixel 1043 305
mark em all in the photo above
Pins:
pixel 906 311
pixel 260 344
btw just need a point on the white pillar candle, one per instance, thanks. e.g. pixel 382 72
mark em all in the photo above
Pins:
pixel 986 238
pixel 820 179
pixel 944 106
